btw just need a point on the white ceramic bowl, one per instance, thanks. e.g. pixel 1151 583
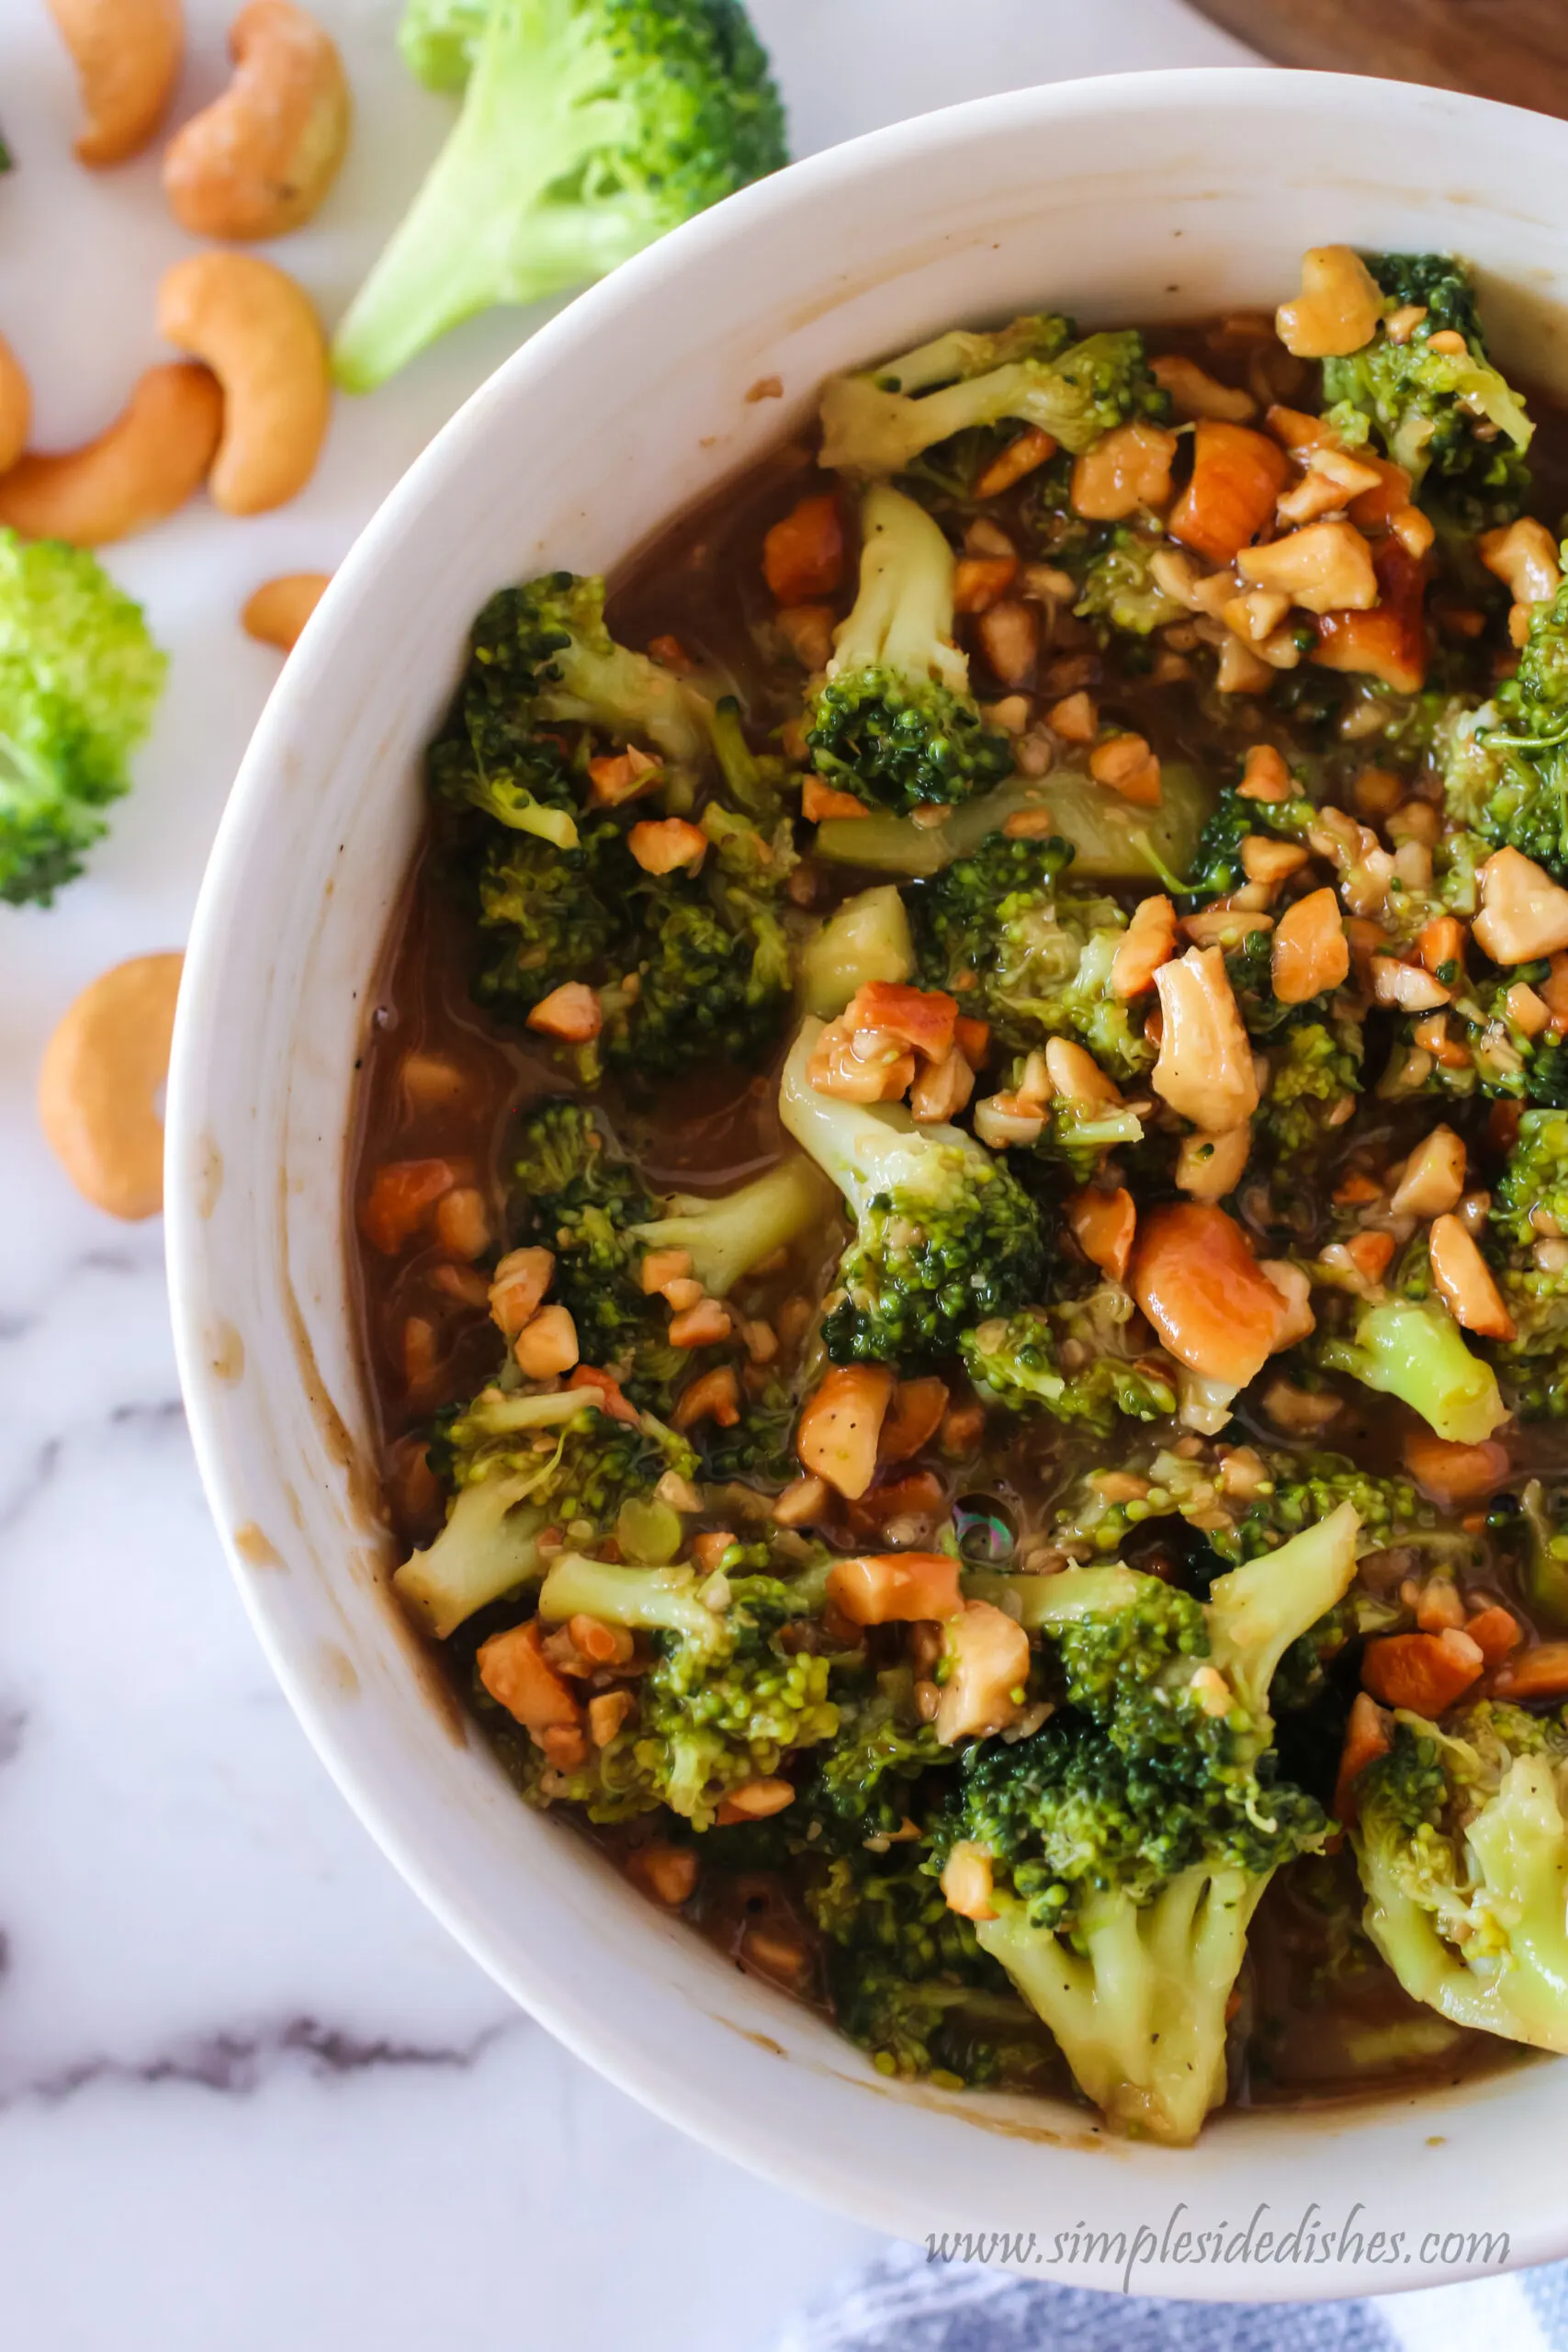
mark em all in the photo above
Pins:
pixel 1152 197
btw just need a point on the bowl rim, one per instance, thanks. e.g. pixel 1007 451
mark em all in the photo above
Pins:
pixel 660 2084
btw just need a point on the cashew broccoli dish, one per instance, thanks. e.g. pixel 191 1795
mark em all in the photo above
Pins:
pixel 961 1208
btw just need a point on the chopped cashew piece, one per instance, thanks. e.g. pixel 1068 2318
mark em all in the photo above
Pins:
pixel 1337 309
pixel 942 1089
pixel 571 1012
pixel 1148 942
pixel 517 1289
pixel 1125 764
pixel 1408 986
pixel 518 1676
pixel 896 1587
pixel 1125 469
pixel 1205 1068
pixel 1074 1072
pixel 1524 913
pixel 840 1424
pixel 859 1065
pixel 966 1881
pixel 1524 557
pixel 988 1670
pixel 1310 952
pixel 662 845
pixel 546 1345
pixel 1208 1167
pixel 1195 1277
pixel 1194 392
pixel 1465 1281
pixel 1433 1181
pixel 1327 568
pixel 1103 1225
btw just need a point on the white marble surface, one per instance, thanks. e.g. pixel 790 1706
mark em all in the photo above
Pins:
pixel 250 2094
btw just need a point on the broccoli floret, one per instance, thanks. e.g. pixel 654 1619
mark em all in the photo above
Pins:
pixel 1414 1350
pixel 894 721
pixel 1129 1840
pixel 879 422
pixel 726 1699
pixel 1217 868
pixel 516 1464
pixel 584 1200
pixel 1117 587
pixel 944 1235
pixel 1532 1367
pixel 1075 1362
pixel 1445 414
pixel 1505 766
pixel 1241 1522
pixel 1461 1842
pixel 1533 1528
pixel 1041 955
pixel 588 129
pixel 547 916
pixel 1439 282
pixel 705 990
pixel 1535 1179
pixel 863 1786
pixel 80 679
pixel 1314 1070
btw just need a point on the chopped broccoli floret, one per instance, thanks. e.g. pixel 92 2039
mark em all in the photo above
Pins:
pixel 1217 868
pixel 945 1236
pixel 1461 1841
pixel 864 1785
pixel 1445 414
pixel 879 422
pixel 1531 1199
pixel 588 129
pixel 726 1699
pixel 1313 1070
pixel 1505 766
pixel 705 990
pixel 548 915
pixel 1117 587
pixel 1041 955
pixel 1130 1838
pixel 1242 1520
pixel 894 721
pixel 80 678
pixel 1075 1360
pixel 516 1464
pixel 1414 1350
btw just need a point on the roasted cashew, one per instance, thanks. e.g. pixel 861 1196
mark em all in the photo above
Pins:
pixel 16 406
pixel 98 1086
pixel 278 609
pixel 151 459
pixel 259 160
pixel 258 333
pixel 127 54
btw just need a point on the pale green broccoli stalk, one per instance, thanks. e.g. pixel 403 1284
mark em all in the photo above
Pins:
pixel 1130 1841
pixel 1041 955
pixel 1461 1840
pixel 438 39
pixel 507 1487
pixel 1112 840
pixel 1075 1362
pixel 1117 587
pixel 726 1700
pixel 584 676
pixel 726 1234
pixel 1448 415
pixel 944 1235
pixel 1505 766
pixel 80 678
pixel 1414 1350
pixel 881 420
pixel 894 721
pixel 865 939
pixel 588 129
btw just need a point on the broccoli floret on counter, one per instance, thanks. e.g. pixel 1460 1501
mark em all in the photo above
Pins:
pixel 516 1464
pixel 588 129
pixel 944 1234
pixel 1074 1360
pixel 881 420
pixel 1123 1846
pixel 1505 766
pixel 1443 414
pixel 1461 1841
pixel 894 722
pixel 1041 955
pixel 80 678
pixel 727 1698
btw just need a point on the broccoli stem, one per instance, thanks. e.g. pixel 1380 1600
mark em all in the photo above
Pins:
pixel 642 1599
pixel 902 617
pixel 487 1546
pixel 1413 1349
pixel 1112 841
pixel 1256 1611
pixel 728 1234
pixel 866 939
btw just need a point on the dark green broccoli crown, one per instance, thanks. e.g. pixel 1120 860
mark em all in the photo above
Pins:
pixel 759 1449
pixel 1405 1790
pixel 1216 866
pixel 701 115
pixel 1439 282
pixel 1432 1780
pixel 493 754
pixel 1532 1367
pixel 581 1198
pixel 1512 784
pixel 864 1784
pixel 907 1977
pixel 706 991
pixel 567 1161
pixel 545 910
pixel 1018 1360
pixel 1312 1067
pixel 904 743
pixel 919 1273
pixel 959 915
pixel 1308 1487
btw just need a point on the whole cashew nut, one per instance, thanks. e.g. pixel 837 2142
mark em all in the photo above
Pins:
pixel 98 1086
pixel 257 331
pixel 128 55
pixel 278 609
pixel 259 160
pixel 16 406
pixel 151 459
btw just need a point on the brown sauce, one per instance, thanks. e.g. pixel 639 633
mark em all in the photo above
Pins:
pixel 1321 2018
